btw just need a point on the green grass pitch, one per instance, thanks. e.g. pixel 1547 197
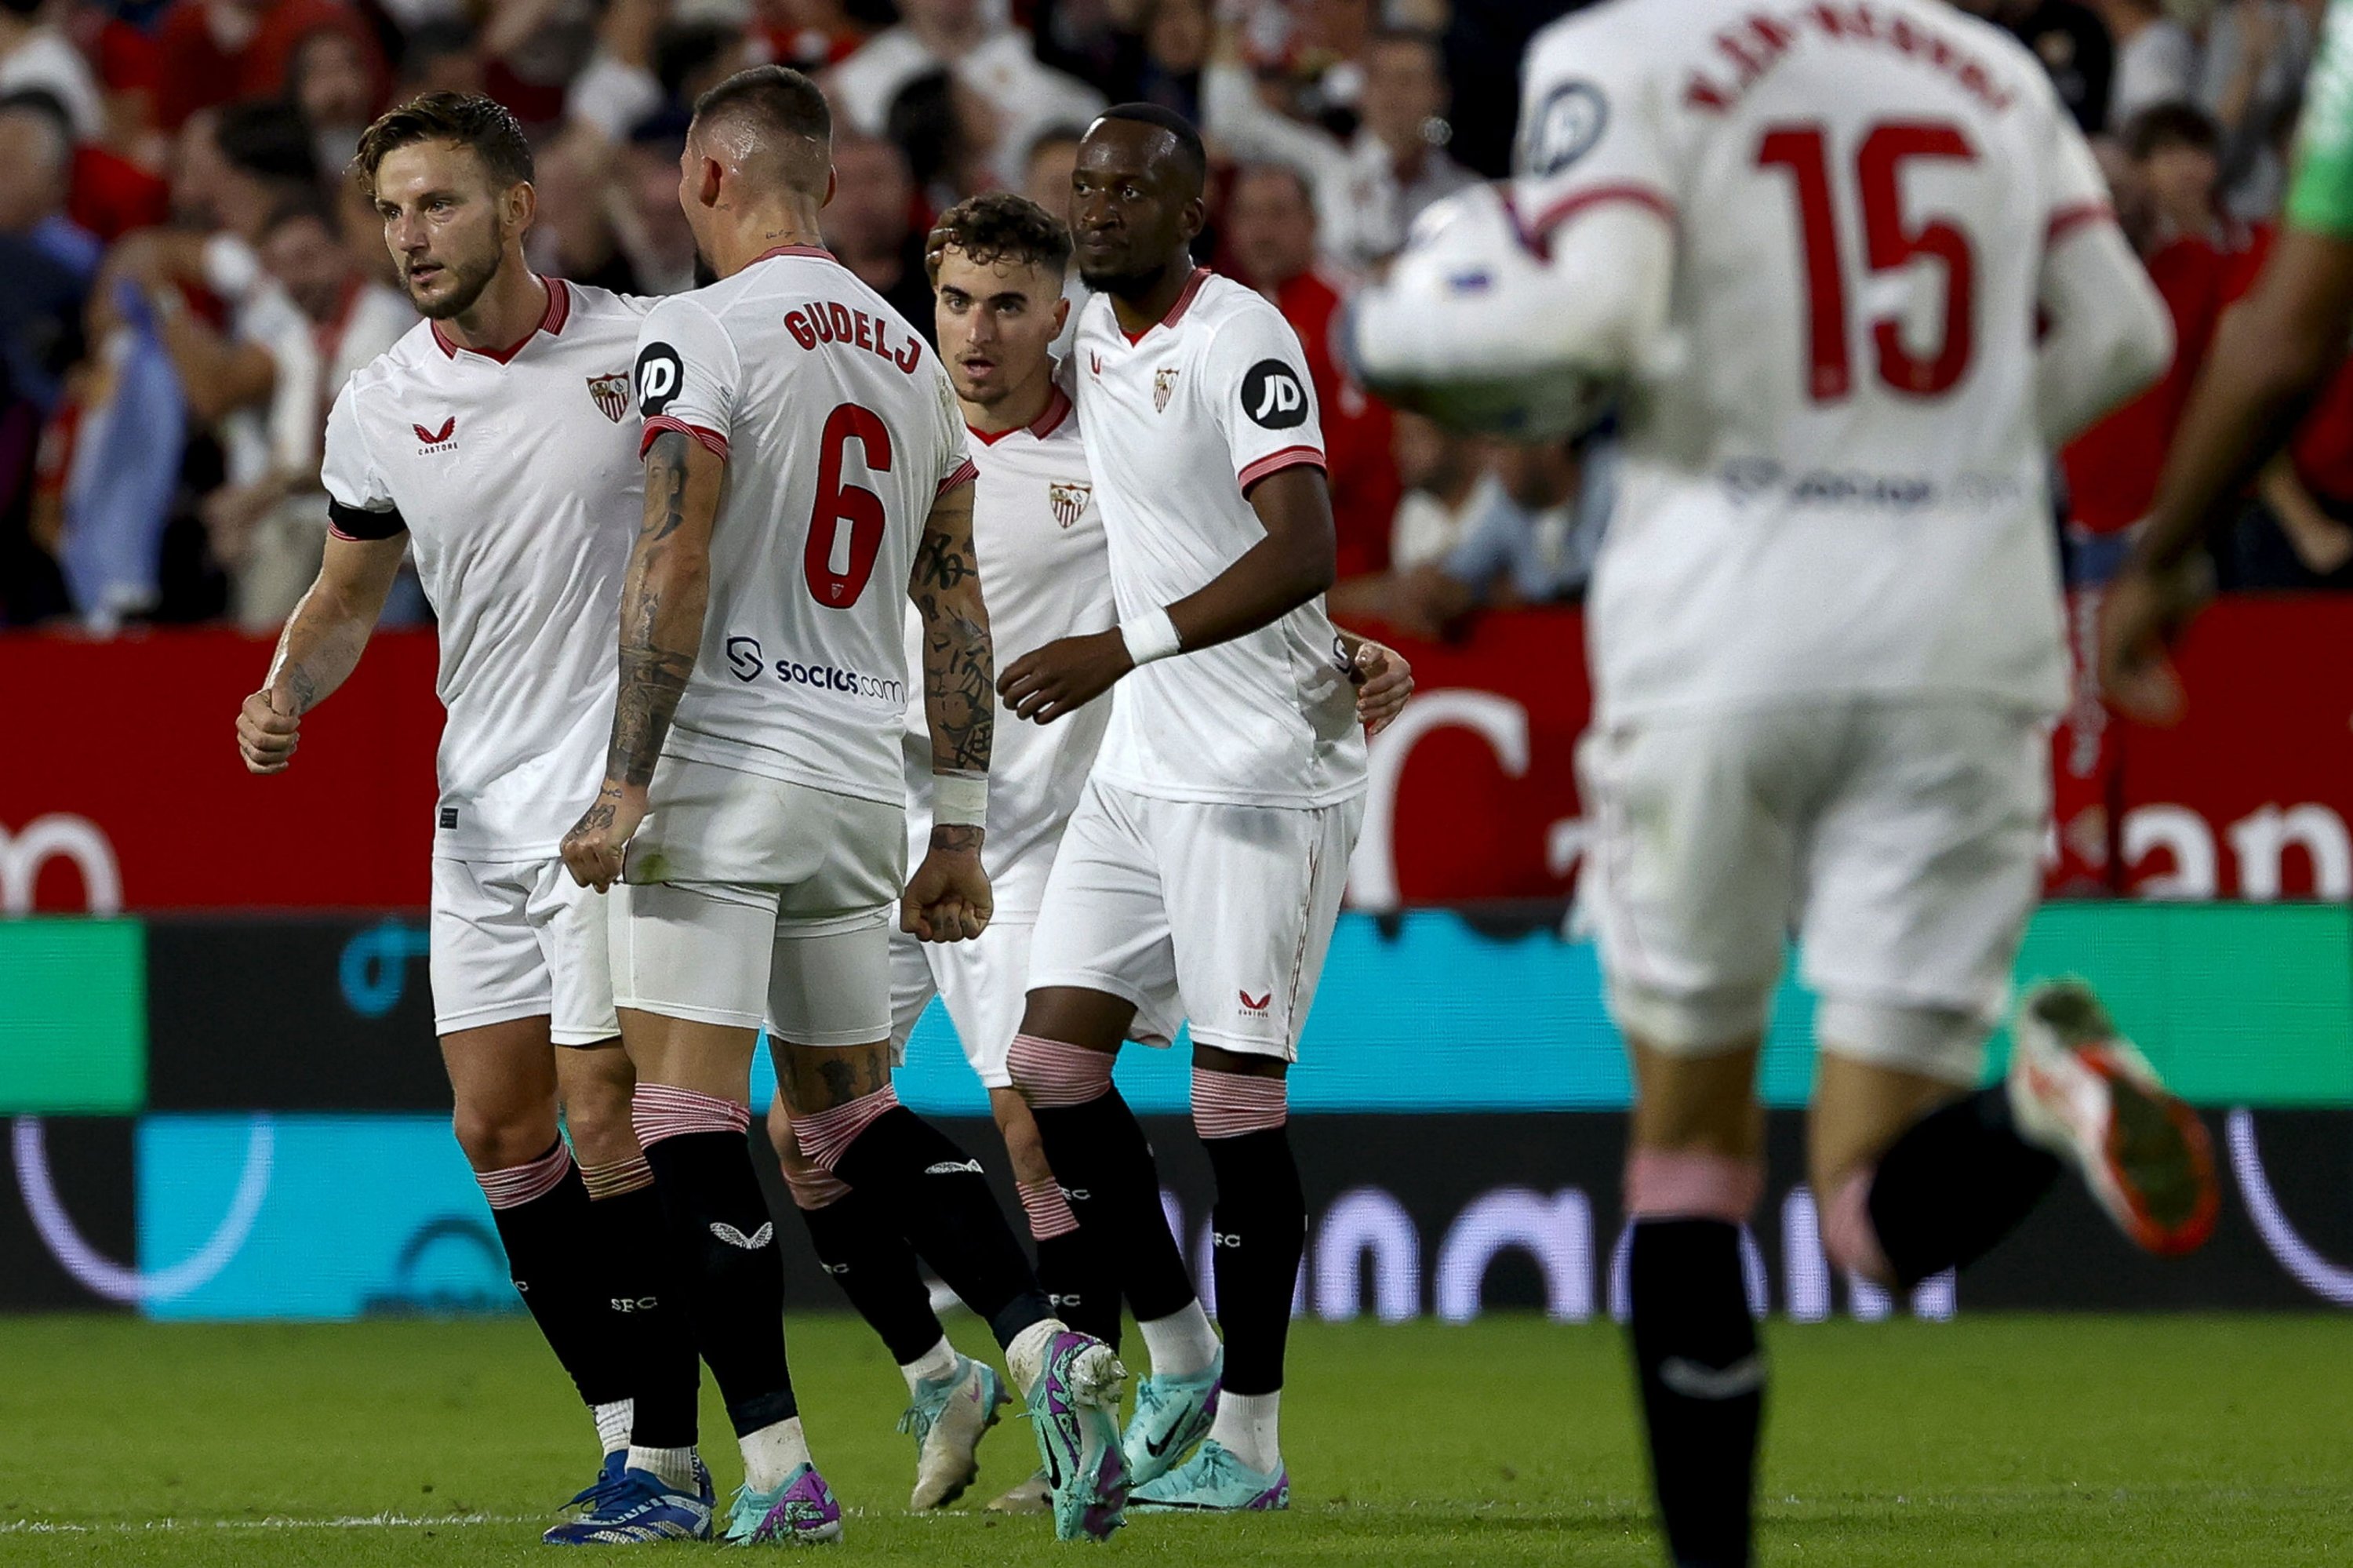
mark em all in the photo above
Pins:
pixel 2041 1441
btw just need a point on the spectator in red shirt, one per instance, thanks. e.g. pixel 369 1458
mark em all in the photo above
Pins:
pixel 2201 261
pixel 1270 235
pixel 218 51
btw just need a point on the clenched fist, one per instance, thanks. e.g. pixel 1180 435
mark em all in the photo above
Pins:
pixel 267 730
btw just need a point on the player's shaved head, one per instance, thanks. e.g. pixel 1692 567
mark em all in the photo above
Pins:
pixel 772 126
pixel 1180 149
pixel 1135 199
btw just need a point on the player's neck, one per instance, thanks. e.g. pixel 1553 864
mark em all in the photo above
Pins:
pixel 1022 406
pixel 758 230
pixel 508 310
pixel 1141 312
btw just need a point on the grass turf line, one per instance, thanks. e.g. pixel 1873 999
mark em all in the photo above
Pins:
pixel 2050 1441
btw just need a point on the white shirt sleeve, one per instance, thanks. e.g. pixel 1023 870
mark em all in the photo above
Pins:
pixel 688 374
pixel 1259 392
pixel 359 501
pixel 1592 131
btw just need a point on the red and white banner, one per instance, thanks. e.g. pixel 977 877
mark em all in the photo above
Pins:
pixel 126 790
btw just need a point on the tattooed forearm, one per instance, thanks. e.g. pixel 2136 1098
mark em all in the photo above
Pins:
pixel 652 681
pixel 303 684
pixel 663 602
pixel 665 486
pixel 957 838
pixel 959 663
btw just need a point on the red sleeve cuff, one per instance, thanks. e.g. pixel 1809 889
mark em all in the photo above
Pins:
pixel 1276 462
pixel 966 473
pixel 2065 221
pixel 712 440
pixel 1537 233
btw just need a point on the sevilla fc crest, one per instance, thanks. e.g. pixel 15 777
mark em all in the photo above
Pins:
pixel 610 394
pixel 1068 499
pixel 1164 386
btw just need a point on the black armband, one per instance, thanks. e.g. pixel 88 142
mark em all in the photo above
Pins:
pixel 359 523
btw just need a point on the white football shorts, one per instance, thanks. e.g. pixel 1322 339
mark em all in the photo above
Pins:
pixel 514 939
pixel 1899 839
pixel 985 985
pixel 748 901
pixel 1218 914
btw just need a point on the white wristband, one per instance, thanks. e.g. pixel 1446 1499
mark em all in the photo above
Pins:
pixel 959 800
pixel 1150 636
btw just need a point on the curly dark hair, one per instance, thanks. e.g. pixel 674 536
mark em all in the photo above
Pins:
pixel 469 120
pixel 999 225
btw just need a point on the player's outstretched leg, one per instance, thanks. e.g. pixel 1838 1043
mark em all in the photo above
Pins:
pixel 1260 1223
pixel 934 1194
pixel 1693 1172
pixel 952 1399
pixel 1954 1179
pixel 725 1241
pixel 1098 1150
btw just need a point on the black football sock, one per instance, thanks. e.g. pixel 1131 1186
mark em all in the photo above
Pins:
pixel 1081 1283
pixel 1100 1155
pixel 1260 1223
pixel 933 1193
pixel 727 1241
pixel 1958 1181
pixel 865 1255
pixel 1703 1384
pixel 548 1247
pixel 636 1264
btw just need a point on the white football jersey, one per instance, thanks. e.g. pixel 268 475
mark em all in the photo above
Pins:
pixel 516 477
pixel 1833 482
pixel 1045 573
pixel 840 431
pixel 1180 422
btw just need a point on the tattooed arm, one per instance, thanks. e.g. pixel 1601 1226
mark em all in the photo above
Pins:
pixel 662 603
pixel 947 899
pixel 320 647
pixel 959 669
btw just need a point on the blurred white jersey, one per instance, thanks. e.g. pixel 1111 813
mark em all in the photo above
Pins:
pixel 1045 574
pixel 840 430
pixel 517 480
pixel 1834 484
pixel 1181 420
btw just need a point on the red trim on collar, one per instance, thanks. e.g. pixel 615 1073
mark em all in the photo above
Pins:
pixel 551 320
pixel 1176 311
pixel 1049 420
pixel 792 251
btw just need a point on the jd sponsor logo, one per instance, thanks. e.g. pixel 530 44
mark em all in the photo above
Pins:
pixel 1272 396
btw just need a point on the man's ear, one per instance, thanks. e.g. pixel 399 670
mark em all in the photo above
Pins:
pixel 832 184
pixel 1194 219
pixel 521 206
pixel 708 175
pixel 1062 313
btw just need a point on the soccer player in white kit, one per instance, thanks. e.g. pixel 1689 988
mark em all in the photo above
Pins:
pixel 805 465
pixel 1201 872
pixel 492 439
pixel 1856 270
pixel 998 265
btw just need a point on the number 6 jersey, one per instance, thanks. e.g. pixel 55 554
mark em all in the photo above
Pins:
pixel 840 431
pixel 1834 483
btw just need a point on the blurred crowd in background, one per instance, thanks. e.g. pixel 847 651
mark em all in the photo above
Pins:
pixel 188 274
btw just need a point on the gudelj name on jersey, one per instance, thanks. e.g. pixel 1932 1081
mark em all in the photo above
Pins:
pixel 829 321
pixel 748 663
